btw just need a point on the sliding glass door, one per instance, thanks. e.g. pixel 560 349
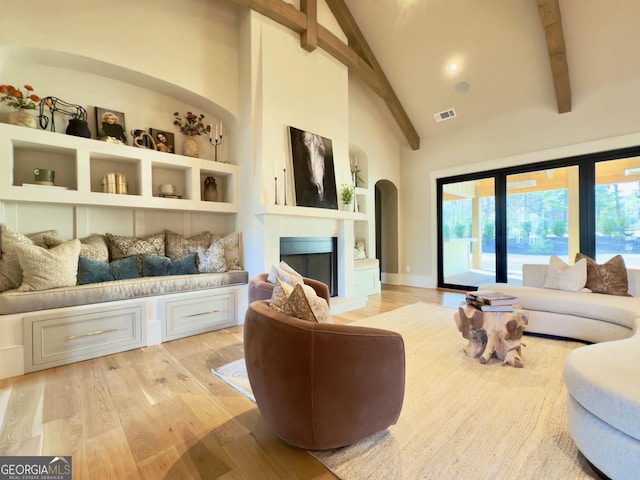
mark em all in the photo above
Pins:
pixel 542 218
pixel 617 213
pixel 468 232
pixel 491 223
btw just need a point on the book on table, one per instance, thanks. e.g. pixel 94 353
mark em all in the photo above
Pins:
pixel 488 308
pixel 492 298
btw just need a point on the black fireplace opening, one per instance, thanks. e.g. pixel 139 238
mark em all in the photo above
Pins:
pixel 313 257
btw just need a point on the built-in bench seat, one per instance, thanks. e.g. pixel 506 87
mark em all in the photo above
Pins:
pixel 14 301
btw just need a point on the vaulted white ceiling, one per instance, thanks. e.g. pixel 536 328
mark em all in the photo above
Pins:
pixel 501 51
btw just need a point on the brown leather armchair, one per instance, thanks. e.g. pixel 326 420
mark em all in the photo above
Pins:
pixel 321 386
pixel 260 289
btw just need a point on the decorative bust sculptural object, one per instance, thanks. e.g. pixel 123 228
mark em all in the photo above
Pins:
pixel 210 189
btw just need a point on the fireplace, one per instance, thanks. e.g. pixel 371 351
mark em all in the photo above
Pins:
pixel 313 257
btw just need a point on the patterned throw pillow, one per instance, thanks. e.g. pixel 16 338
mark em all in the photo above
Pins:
pixel 212 259
pixel 10 272
pixel 93 247
pixel 609 278
pixel 298 306
pixel 43 269
pixel 281 293
pixel 123 247
pixel 232 251
pixel 177 246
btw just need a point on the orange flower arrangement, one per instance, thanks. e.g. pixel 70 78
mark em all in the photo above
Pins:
pixel 16 99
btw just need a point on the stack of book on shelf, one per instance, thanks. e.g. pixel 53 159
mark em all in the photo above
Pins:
pixel 491 301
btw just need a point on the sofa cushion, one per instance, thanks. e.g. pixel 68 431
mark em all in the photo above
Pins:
pixel 561 276
pixel 43 269
pixel 618 310
pixel 155 266
pixel 14 301
pixel 94 271
pixel 609 278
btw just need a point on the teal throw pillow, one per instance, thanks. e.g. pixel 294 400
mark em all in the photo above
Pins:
pixel 155 265
pixel 94 271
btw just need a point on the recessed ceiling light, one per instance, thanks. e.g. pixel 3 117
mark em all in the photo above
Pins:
pixel 453 67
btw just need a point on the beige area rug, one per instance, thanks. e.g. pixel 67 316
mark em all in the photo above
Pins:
pixel 464 420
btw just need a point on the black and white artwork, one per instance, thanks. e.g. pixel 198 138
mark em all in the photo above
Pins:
pixel 313 171
pixel 110 125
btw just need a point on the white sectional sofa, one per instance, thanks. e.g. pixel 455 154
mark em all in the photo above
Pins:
pixel 603 379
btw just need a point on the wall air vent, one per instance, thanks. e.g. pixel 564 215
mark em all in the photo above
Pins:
pixel 445 115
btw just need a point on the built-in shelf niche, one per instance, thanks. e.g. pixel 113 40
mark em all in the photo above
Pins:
pixel 28 157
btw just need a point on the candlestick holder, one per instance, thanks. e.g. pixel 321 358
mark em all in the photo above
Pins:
pixel 275 181
pixel 216 142
pixel 285 185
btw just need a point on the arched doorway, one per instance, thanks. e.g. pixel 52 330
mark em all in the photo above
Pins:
pixel 386 221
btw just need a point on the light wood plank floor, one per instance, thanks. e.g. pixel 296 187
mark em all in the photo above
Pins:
pixel 158 412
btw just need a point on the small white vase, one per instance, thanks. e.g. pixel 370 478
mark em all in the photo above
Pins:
pixel 23 118
pixel 347 207
pixel 191 148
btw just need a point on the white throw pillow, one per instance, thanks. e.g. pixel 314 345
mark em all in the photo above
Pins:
pixel 285 273
pixel 560 276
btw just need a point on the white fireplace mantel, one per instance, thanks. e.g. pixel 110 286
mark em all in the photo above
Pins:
pixel 289 221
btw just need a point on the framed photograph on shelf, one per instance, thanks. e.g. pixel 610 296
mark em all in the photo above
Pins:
pixel 110 125
pixel 313 170
pixel 165 141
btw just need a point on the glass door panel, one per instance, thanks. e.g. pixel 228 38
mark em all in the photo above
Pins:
pixel 542 218
pixel 618 210
pixel 468 232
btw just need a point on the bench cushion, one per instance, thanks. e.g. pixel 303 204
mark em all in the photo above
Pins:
pixel 13 301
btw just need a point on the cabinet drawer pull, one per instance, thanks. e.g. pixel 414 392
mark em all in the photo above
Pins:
pixel 202 313
pixel 92 334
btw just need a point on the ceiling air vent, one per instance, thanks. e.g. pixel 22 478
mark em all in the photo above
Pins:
pixel 445 115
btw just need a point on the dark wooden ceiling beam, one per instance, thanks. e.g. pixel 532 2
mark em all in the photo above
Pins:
pixel 358 58
pixel 549 11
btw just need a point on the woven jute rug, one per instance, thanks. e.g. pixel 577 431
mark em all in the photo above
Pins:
pixel 465 420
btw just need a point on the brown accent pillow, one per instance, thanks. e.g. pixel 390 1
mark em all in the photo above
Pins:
pixel 609 278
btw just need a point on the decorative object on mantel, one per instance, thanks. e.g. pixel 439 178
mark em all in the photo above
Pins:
pixel 164 140
pixel 22 103
pixel 346 195
pixel 210 189
pixel 313 172
pixel 77 125
pixel 216 141
pixel 190 126
pixel 111 126
pixel 142 139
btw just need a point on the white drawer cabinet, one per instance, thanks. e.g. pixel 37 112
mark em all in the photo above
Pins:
pixel 366 277
pixel 61 337
pixel 199 313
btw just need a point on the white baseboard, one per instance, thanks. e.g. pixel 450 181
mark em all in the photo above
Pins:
pixel 390 278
